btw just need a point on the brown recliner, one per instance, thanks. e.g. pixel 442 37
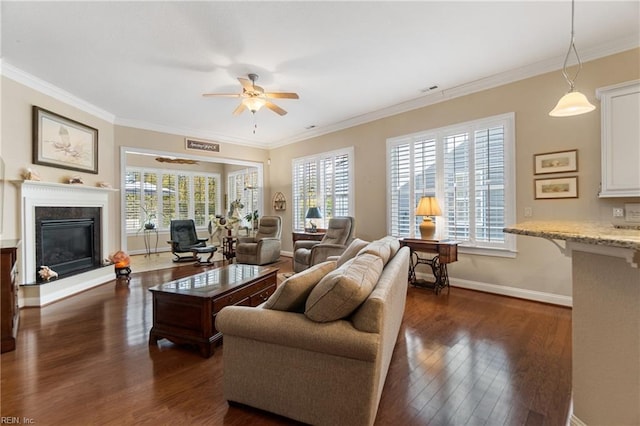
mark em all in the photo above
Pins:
pixel 339 234
pixel 264 247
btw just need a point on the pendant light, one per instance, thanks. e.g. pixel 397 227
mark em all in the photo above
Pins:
pixel 573 103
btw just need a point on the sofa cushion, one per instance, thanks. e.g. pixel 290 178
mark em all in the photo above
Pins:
pixel 341 291
pixel 351 251
pixel 385 248
pixel 293 292
pixel 394 244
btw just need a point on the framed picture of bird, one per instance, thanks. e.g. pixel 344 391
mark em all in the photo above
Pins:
pixel 64 143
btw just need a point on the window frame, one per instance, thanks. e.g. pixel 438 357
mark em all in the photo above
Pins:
pixel 507 121
pixel 159 173
pixel 256 195
pixel 321 195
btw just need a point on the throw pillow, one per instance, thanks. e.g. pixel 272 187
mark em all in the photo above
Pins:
pixel 340 292
pixel 293 292
pixel 351 251
pixel 379 248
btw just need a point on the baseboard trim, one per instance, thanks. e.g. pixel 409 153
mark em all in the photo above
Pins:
pixel 520 293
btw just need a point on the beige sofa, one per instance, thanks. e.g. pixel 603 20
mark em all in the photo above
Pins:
pixel 320 371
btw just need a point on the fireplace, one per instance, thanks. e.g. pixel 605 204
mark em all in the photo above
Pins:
pixel 68 239
pixel 64 203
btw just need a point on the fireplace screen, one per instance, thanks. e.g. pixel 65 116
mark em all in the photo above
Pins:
pixel 67 239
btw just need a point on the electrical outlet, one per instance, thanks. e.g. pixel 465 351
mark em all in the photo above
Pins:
pixel 528 212
pixel 618 212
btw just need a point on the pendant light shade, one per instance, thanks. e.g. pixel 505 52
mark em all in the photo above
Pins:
pixel 573 103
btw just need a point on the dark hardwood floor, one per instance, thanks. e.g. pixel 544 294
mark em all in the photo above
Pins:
pixel 461 358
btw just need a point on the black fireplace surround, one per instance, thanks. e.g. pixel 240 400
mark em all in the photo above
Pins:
pixel 68 239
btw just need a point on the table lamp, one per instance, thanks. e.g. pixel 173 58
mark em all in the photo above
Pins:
pixel 313 213
pixel 427 207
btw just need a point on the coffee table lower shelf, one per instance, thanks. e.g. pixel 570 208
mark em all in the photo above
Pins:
pixel 186 315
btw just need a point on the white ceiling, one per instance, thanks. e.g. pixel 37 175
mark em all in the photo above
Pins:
pixel 148 63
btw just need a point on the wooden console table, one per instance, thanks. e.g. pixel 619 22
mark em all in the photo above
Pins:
pixel 304 235
pixel 184 310
pixel 445 252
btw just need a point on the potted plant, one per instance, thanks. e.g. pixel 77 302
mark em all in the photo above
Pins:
pixel 252 218
pixel 149 218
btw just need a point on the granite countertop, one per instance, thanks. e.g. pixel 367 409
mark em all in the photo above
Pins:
pixel 582 232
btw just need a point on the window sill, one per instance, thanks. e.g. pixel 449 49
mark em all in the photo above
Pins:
pixel 485 251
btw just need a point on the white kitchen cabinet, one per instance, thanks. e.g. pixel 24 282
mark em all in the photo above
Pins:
pixel 620 109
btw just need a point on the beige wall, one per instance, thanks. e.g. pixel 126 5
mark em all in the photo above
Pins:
pixel 17 101
pixel 539 266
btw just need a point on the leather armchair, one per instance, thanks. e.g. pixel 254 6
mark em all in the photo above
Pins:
pixel 184 239
pixel 265 246
pixel 339 235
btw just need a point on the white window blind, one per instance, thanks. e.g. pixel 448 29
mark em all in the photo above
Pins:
pixel 469 168
pixel 169 195
pixel 243 185
pixel 325 181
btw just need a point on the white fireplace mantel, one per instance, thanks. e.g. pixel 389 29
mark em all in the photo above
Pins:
pixel 46 194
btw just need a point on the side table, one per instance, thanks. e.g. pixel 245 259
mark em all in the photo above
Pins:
pixel 315 236
pixel 147 235
pixel 445 252
pixel 229 247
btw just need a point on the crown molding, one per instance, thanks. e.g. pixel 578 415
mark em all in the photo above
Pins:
pixel 435 97
pixel 35 83
pixel 185 131
pixel 531 70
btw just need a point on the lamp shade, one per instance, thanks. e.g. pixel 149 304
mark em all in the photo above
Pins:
pixel 313 213
pixel 254 103
pixel 428 206
pixel 573 103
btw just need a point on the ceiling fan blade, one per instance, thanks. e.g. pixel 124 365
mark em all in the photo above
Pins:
pixel 275 108
pixel 224 95
pixel 282 95
pixel 239 109
pixel 246 84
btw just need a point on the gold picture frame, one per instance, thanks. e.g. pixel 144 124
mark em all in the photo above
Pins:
pixel 64 143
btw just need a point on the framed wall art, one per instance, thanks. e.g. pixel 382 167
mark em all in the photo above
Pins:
pixel 64 143
pixel 554 188
pixel 555 162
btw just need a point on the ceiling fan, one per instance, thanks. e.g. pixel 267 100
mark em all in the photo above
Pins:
pixel 254 97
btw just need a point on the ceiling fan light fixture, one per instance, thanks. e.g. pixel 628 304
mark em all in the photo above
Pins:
pixel 573 103
pixel 254 104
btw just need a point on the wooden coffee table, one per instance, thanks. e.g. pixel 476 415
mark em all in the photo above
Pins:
pixel 184 310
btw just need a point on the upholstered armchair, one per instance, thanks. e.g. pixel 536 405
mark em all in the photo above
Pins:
pixel 184 239
pixel 339 234
pixel 264 247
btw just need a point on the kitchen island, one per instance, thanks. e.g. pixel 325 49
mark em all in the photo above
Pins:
pixel 605 317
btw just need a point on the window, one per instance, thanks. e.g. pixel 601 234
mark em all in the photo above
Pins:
pixel 168 194
pixel 325 181
pixel 243 185
pixel 469 168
